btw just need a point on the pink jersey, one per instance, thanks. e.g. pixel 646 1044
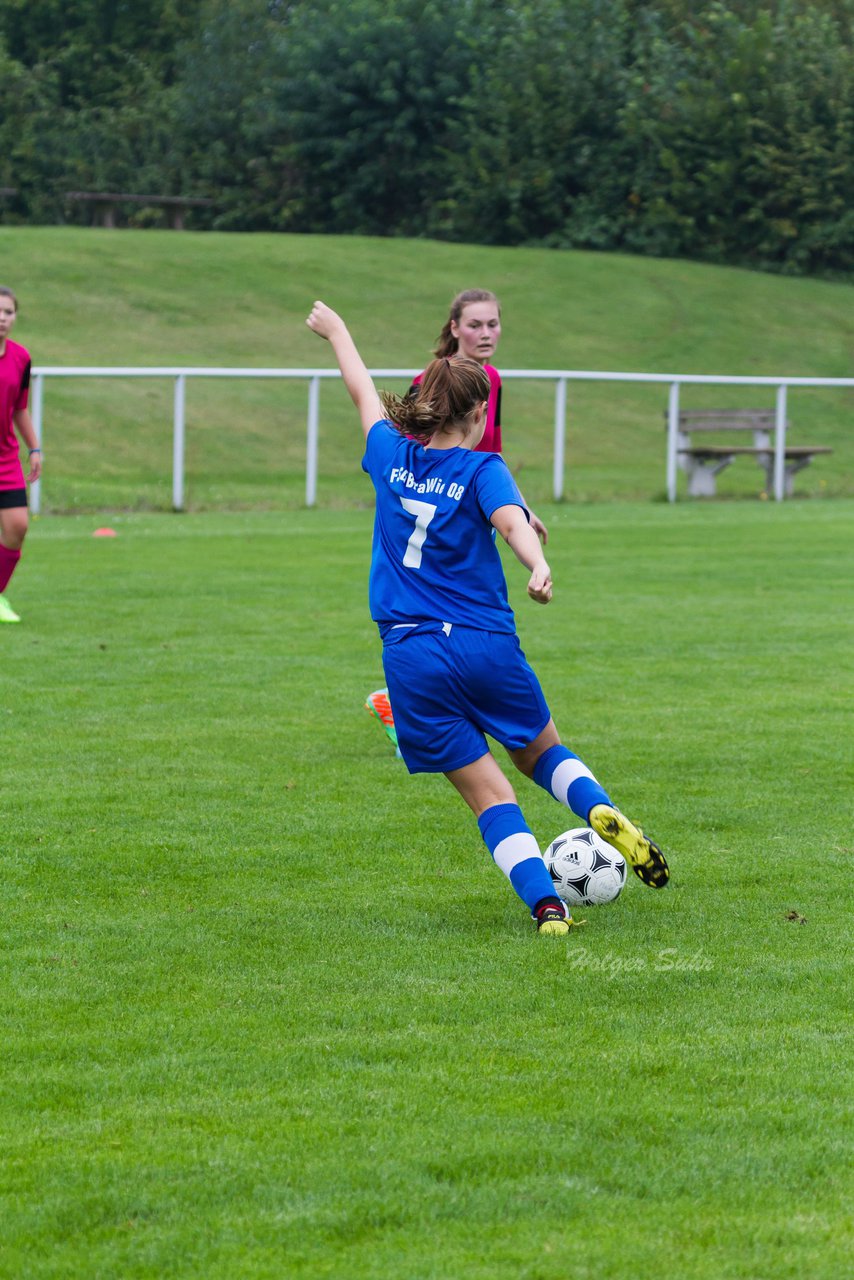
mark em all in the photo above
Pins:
pixel 491 442
pixel 14 395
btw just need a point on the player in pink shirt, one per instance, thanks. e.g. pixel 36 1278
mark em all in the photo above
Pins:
pixel 14 418
pixel 472 329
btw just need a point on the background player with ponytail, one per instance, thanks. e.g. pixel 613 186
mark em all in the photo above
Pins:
pixel 472 329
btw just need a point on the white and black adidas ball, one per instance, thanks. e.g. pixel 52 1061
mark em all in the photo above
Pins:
pixel 585 869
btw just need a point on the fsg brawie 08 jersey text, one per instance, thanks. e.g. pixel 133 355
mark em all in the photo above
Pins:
pixel 434 556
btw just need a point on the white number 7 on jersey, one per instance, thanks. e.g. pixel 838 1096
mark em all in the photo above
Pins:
pixel 424 513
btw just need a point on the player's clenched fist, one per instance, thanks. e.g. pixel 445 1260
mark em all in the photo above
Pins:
pixel 323 320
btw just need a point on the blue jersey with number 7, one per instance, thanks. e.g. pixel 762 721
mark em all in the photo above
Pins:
pixel 434 556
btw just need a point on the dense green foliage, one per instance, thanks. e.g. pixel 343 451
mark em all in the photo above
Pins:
pixel 722 131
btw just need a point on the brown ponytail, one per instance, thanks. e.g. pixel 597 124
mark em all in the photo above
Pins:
pixel 446 395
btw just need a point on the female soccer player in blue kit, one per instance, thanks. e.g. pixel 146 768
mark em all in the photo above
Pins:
pixel 453 664
pixel 473 329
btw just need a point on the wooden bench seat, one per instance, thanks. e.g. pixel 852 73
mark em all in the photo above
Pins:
pixel 704 462
pixel 106 202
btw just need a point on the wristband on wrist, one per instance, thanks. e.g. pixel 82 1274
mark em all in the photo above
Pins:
pixel 32 451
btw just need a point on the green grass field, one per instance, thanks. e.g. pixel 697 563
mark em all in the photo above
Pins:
pixel 268 1009
pixel 95 297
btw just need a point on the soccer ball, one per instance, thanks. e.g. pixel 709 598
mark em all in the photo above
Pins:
pixel 586 871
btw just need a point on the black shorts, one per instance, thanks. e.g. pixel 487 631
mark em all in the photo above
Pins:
pixel 12 498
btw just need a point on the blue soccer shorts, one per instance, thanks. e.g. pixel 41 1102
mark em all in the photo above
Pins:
pixel 451 687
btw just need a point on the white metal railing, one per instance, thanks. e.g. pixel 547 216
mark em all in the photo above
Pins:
pixel 560 377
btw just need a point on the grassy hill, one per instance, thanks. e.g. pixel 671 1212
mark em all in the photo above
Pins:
pixel 90 296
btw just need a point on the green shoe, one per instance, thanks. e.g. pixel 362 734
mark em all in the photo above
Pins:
pixel 7 613
pixel 643 856
pixel 378 704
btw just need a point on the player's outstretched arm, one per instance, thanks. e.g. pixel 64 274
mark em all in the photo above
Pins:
pixel 328 324
pixel 512 523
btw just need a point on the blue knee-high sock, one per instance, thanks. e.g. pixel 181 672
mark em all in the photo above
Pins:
pixel 569 780
pixel 508 838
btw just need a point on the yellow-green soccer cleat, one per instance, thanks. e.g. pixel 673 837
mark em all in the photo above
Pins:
pixel 555 920
pixel 7 613
pixel 552 922
pixel 643 855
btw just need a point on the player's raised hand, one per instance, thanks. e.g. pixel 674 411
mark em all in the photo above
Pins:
pixel 324 321
pixel 328 324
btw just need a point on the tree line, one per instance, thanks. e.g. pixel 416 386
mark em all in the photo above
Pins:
pixel 719 131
